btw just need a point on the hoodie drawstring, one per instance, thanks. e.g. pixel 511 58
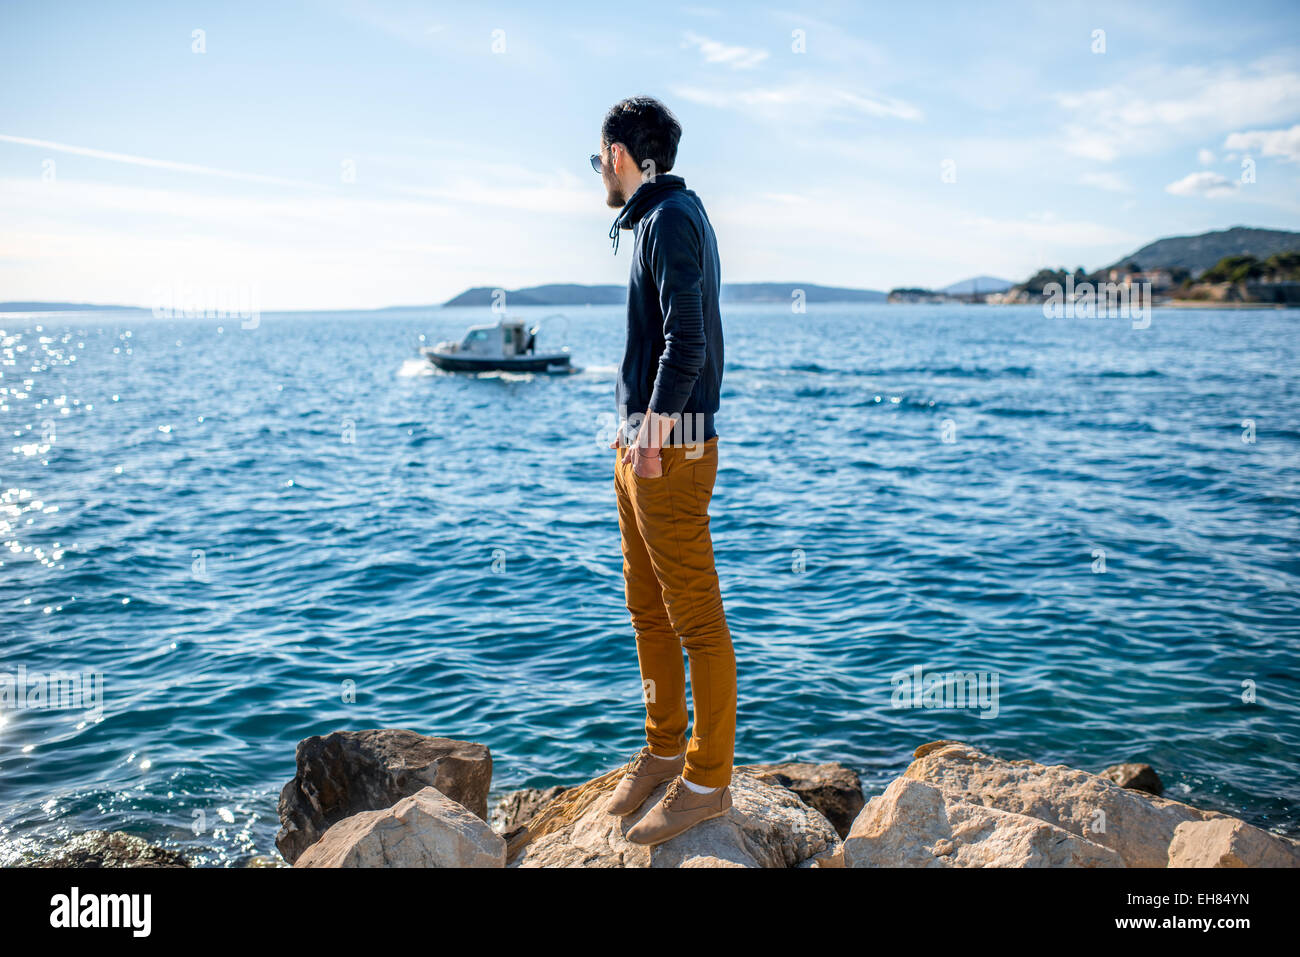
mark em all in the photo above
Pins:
pixel 643 199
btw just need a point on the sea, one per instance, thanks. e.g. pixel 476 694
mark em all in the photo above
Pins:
pixel 236 534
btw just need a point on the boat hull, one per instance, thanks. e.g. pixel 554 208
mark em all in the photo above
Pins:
pixel 558 362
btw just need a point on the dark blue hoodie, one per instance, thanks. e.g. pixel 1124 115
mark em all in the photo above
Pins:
pixel 673 359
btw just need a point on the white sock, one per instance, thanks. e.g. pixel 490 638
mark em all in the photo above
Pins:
pixel 671 757
pixel 697 788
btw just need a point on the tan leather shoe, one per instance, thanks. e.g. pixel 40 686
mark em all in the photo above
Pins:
pixel 643 774
pixel 680 810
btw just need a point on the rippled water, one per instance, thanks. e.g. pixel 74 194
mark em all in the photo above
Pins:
pixel 232 524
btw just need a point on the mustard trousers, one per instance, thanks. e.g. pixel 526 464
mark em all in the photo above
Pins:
pixel 674 600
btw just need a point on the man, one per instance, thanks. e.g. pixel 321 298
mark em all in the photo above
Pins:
pixel 667 461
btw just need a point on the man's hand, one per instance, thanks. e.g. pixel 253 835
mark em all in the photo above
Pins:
pixel 644 464
pixel 644 453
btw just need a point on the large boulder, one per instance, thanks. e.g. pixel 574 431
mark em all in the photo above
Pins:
pixel 347 772
pixel 1137 826
pixel 912 825
pixel 833 789
pixel 767 826
pixel 1228 842
pixel 427 829
pixel 1138 777
pixel 109 849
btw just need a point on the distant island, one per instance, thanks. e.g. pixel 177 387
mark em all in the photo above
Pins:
pixel 1241 266
pixel 60 307
pixel 570 294
pixel 974 289
pixel 1198 254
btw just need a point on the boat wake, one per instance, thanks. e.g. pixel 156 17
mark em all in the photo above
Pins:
pixel 411 368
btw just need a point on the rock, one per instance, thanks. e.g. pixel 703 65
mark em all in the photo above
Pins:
pixel 110 849
pixel 710 862
pixel 912 824
pixel 427 829
pixel 515 808
pixel 1137 826
pixel 768 826
pixel 1228 842
pixel 832 789
pixel 834 859
pixel 347 772
pixel 1138 777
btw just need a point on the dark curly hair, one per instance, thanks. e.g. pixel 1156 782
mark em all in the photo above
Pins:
pixel 647 128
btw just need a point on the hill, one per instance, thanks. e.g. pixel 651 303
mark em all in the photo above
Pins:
pixel 977 285
pixel 1196 254
pixel 556 294
pixel 782 292
pixel 570 294
pixel 57 307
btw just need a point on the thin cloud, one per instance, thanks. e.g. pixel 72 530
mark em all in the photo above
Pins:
pixel 157 163
pixel 1156 108
pixel 1111 182
pixel 1204 183
pixel 736 57
pixel 804 98
pixel 1283 143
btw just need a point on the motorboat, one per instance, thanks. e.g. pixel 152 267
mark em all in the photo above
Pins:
pixel 506 346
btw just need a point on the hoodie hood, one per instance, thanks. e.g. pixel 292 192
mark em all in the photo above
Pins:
pixel 647 196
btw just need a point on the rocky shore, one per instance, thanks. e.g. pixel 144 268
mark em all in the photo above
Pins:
pixel 394 798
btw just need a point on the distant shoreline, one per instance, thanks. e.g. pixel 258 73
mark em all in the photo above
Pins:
pixel 62 309
pixel 1209 304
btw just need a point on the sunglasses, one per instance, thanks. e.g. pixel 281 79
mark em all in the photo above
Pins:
pixel 595 160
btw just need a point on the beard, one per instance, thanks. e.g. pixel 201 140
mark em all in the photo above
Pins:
pixel 614 197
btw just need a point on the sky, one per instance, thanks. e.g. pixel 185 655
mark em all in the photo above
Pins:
pixel 347 155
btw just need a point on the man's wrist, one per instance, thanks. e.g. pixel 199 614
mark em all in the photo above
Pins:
pixel 656 429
